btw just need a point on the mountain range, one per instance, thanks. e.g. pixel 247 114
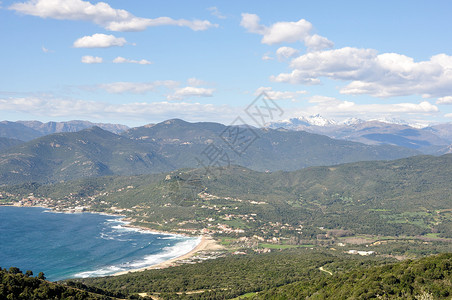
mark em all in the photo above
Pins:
pixel 434 139
pixel 175 144
pixel 29 130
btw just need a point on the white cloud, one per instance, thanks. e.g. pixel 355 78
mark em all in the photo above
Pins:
pixel 316 42
pixel 100 13
pixel 279 32
pixel 215 12
pixel 122 60
pixel 136 87
pixel 444 100
pixel 329 105
pixel 99 40
pixel 251 23
pixel 279 95
pixel 82 109
pixel 88 59
pixel 170 88
pixel 286 52
pixel 288 32
pixel 190 91
pixel 267 57
pixel 380 75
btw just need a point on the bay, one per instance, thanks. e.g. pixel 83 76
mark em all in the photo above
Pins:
pixel 80 245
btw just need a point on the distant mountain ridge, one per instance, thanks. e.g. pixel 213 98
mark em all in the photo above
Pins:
pixel 71 126
pixel 429 140
pixel 175 144
pixel 29 130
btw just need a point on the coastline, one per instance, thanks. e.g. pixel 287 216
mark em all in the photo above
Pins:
pixel 207 243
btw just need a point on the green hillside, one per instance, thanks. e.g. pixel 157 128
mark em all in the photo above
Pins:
pixel 259 149
pixel 427 278
pixel 87 153
pixel 406 197
pixel 173 145
pixel 16 285
pixel 18 131
pixel 292 274
pixel 6 143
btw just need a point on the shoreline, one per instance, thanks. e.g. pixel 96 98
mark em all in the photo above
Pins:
pixel 207 243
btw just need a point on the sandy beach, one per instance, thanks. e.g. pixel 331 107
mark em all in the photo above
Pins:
pixel 206 244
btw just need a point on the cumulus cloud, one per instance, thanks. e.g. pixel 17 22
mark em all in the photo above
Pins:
pixel 170 88
pixel 70 108
pixel 251 23
pixel 122 60
pixel 99 40
pixel 267 57
pixel 288 32
pixel 88 59
pixel 316 42
pixel 444 100
pixel 286 52
pixel 379 75
pixel 190 91
pixel 279 95
pixel 330 105
pixel 100 13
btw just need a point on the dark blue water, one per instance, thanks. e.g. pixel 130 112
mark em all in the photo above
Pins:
pixel 80 245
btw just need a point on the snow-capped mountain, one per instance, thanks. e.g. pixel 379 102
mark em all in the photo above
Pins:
pixel 401 122
pixel 303 121
pixel 373 132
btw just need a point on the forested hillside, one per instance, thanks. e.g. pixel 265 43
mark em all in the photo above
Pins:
pixel 17 285
pixel 176 144
pixel 292 274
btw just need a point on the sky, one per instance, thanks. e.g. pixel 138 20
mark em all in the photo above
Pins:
pixel 137 62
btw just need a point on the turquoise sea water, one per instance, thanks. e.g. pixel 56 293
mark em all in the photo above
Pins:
pixel 80 245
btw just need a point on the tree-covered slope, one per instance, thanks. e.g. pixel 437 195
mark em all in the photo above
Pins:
pixel 232 276
pixel 16 285
pixel 409 196
pixel 292 274
pixel 258 149
pixel 177 144
pixel 6 143
pixel 426 278
pixel 87 153
pixel 18 131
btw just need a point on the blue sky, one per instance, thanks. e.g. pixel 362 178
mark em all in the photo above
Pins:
pixel 137 62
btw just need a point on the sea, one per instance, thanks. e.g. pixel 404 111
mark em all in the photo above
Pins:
pixel 80 245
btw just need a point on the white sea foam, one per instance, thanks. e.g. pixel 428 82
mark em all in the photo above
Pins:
pixel 179 249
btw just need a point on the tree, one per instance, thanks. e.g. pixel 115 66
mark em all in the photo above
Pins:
pixel 41 276
pixel 14 270
pixel 29 273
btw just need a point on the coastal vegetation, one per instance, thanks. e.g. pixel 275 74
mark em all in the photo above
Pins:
pixel 14 284
pixel 292 274
pixel 317 232
pixel 396 207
